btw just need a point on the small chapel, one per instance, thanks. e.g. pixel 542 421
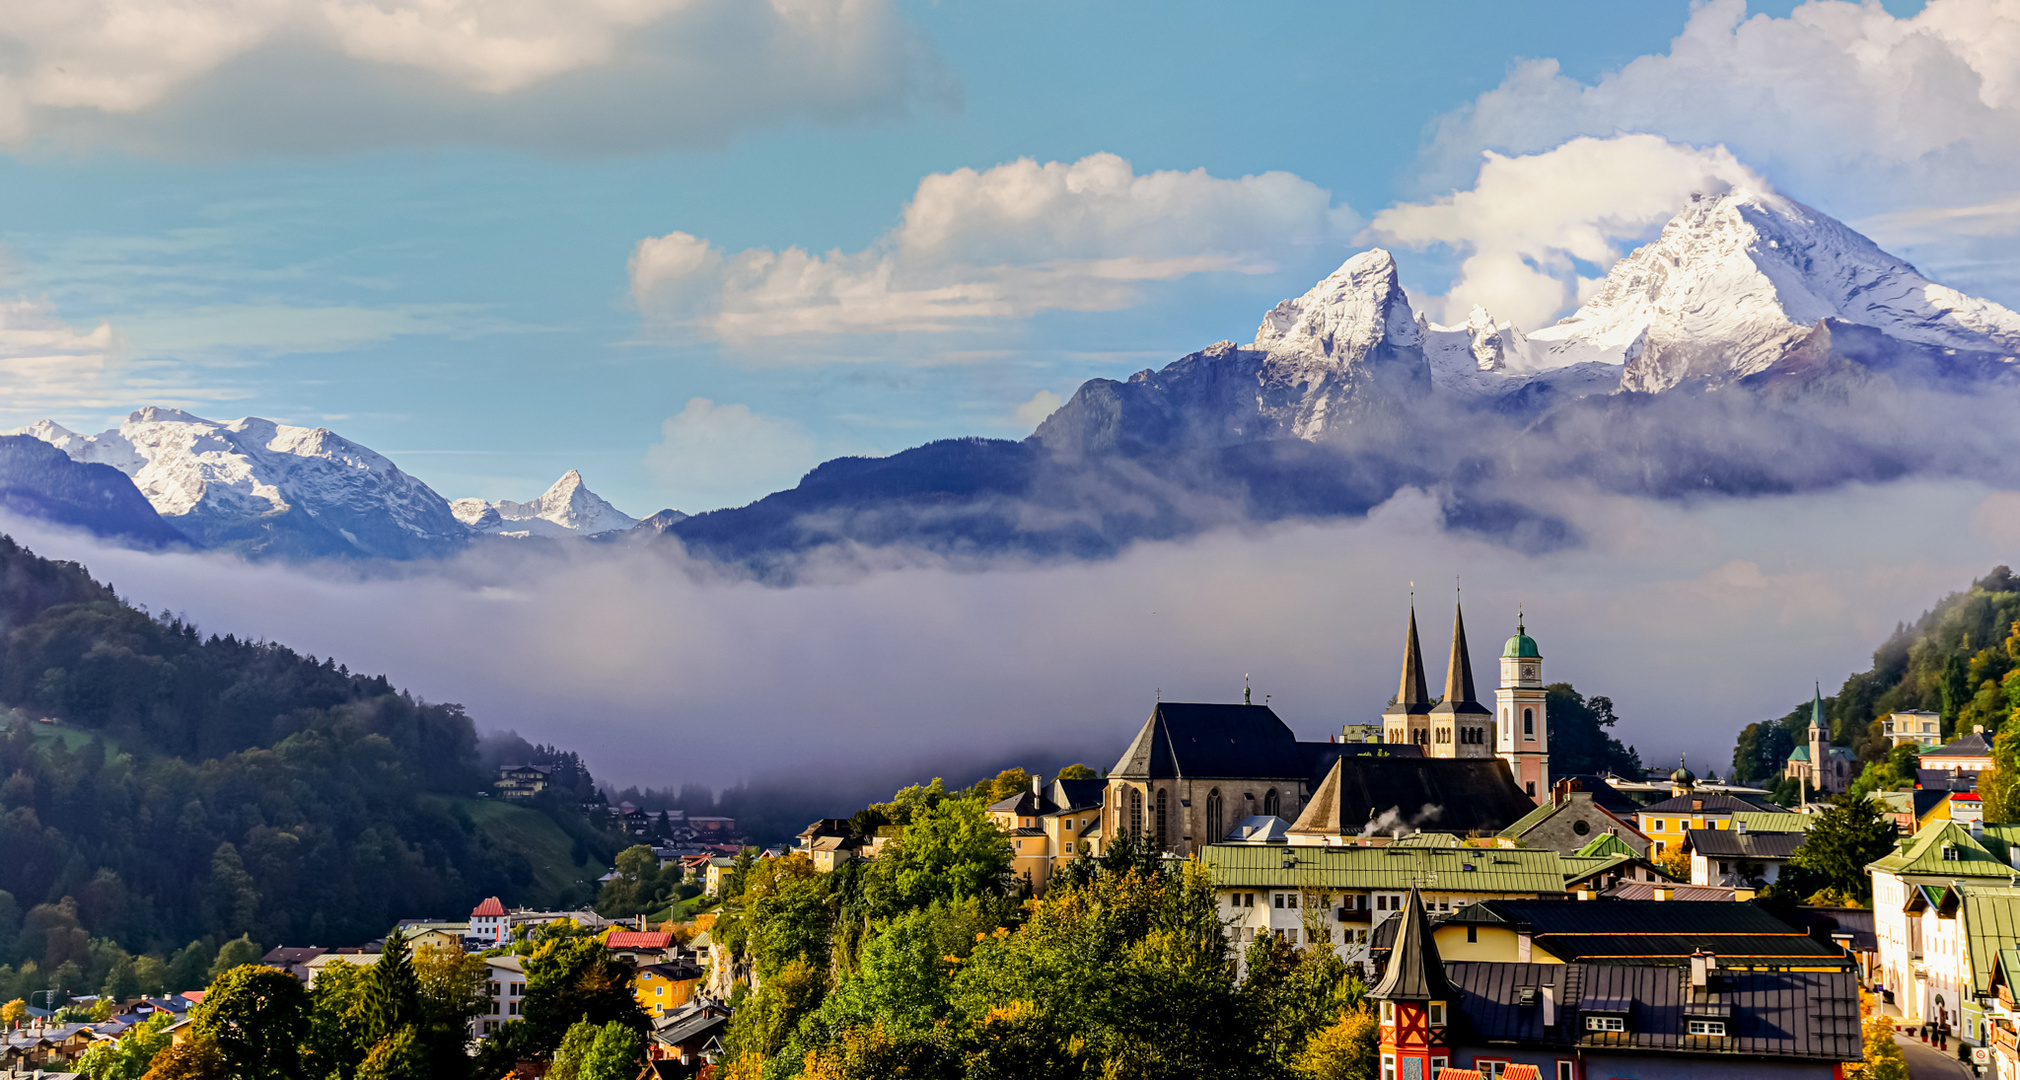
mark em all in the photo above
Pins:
pixel 1818 765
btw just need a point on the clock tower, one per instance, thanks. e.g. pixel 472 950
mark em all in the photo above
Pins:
pixel 1522 728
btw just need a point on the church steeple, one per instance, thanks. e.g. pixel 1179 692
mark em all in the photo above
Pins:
pixel 1459 676
pixel 1412 693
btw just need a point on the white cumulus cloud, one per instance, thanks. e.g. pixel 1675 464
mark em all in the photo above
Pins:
pixel 183 76
pixel 712 455
pixel 1528 221
pixel 1879 111
pixel 998 243
pixel 47 365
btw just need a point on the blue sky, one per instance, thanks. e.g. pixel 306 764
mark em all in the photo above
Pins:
pixel 445 278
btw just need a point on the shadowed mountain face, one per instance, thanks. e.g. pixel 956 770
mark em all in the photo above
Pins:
pixel 37 480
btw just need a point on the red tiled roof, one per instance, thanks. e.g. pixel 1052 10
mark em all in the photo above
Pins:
pixel 634 939
pixel 490 907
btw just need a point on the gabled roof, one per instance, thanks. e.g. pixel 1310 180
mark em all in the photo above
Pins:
pixel 1810 1015
pixel 1072 794
pixel 1607 844
pixel 1972 745
pixel 490 908
pixel 647 940
pixel 1733 844
pixel 1389 868
pixel 1709 802
pixel 1991 924
pixel 1197 739
pixel 1462 795
pixel 1923 854
pixel 1603 793
pixel 1770 821
pixel 1579 868
pixel 1023 804
pixel 1415 971
pixel 1550 809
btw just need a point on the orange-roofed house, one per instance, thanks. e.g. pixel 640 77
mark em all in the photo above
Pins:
pixel 642 946
pixel 489 923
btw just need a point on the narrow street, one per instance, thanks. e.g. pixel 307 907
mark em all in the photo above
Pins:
pixel 1925 1062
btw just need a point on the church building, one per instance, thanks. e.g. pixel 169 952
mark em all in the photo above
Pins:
pixel 1821 768
pixel 1458 726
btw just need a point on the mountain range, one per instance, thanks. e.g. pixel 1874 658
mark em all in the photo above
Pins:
pixel 1755 346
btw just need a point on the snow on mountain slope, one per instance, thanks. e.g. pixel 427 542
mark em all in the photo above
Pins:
pixel 262 487
pixel 568 508
pixel 1484 359
pixel 1737 280
pixel 1350 345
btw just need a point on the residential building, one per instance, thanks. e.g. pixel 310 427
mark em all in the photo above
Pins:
pixel 1604 863
pixel 829 843
pixel 716 874
pixel 1049 825
pixel 1341 894
pixel 293 960
pixel 489 923
pixel 640 946
pixel 504 992
pixel 1912 726
pixel 1666 823
pixel 1416 1000
pixel 523 781
pixel 314 965
pixel 1739 856
pixel 1572 818
pixel 1925 956
pixel 1955 766
pixel 1816 764
pixel 1636 932
pixel 689 1035
pixel 711 827
pixel 666 987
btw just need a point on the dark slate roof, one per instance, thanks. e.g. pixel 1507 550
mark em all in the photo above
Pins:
pixel 1638 917
pixel 1413 696
pixel 1194 739
pixel 1078 793
pixel 1713 803
pixel 1811 1015
pixel 1733 844
pixel 1825 921
pixel 1603 793
pixel 1465 795
pixel 1024 804
pixel 1459 699
pixel 1941 782
pixel 1972 745
pixel 1415 971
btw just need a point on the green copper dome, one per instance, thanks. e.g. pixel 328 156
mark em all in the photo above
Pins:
pixel 1521 646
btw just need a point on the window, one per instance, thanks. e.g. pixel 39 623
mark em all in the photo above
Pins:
pixel 1605 1023
pixel 1714 1028
pixel 1567 1070
pixel 1136 811
pixel 1163 816
pixel 1069 844
pixel 1490 1068
pixel 1437 1014
pixel 1277 900
pixel 1069 825
pixel 1388 1012
pixel 1271 803
pixel 1438 1065
pixel 1529 788
pixel 1580 827
pixel 1472 935
pixel 659 991
pixel 1216 817
pixel 1529 724
pixel 1291 901
pixel 1388 1061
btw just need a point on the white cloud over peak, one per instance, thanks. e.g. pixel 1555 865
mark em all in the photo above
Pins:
pixel 46 364
pixel 998 243
pixel 1526 219
pixel 713 455
pixel 183 76
pixel 1836 96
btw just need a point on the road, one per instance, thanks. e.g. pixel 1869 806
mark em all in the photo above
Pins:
pixel 1925 1062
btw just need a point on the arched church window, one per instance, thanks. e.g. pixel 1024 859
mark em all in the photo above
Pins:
pixel 1163 818
pixel 1136 811
pixel 1270 803
pixel 1528 721
pixel 1216 826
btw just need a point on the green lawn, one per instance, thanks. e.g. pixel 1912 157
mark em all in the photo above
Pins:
pixel 542 841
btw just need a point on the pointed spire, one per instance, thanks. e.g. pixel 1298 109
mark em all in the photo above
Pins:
pixel 1459 675
pixel 1412 693
pixel 1817 709
pixel 1245 698
pixel 1416 972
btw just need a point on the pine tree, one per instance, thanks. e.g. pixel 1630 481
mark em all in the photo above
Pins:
pixel 392 997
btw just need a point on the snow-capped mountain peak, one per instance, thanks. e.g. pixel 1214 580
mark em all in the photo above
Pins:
pixel 567 508
pixel 264 486
pixel 1339 320
pixel 1737 280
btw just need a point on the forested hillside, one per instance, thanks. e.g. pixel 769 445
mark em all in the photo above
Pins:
pixel 194 789
pixel 1958 659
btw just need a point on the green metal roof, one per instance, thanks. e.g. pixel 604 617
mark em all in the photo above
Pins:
pixel 1922 854
pixel 1800 753
pixel 1390 867
pixel 1991 923
pixel 1608 844
pixel 1580 867
pixel 1770 822
pixel 1521 646
pixel 1530 820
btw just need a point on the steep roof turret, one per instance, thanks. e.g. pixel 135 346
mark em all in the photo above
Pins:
pixel 1416 972
pixel 1459 693
pixel 1413 695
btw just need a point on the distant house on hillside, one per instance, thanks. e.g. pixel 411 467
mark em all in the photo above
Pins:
pixel 523 781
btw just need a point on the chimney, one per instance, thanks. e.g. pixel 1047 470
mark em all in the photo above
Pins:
pixel 1662 892
pixel 1697 970
pixel 1038 787
pixel 1549 1005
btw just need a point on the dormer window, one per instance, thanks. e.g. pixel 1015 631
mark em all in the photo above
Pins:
pixel 1606 1023
pixel 1712 1028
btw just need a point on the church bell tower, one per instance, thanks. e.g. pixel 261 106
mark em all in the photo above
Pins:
pixel 1523 725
